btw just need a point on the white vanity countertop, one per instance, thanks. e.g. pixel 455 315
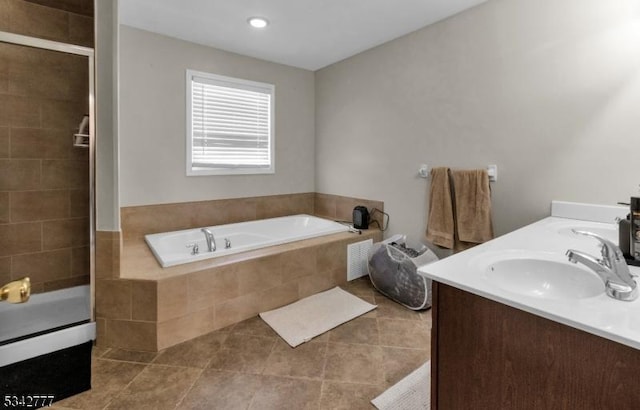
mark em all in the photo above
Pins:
pixel 549 239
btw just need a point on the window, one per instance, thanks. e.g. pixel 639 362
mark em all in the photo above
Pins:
pixel 229 125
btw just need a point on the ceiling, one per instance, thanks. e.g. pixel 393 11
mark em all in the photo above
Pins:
pixel 308 34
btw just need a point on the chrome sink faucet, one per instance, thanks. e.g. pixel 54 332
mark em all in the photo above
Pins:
pixel 612 268
pixel 211 241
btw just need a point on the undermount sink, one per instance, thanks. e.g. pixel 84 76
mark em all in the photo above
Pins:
pixel 542 278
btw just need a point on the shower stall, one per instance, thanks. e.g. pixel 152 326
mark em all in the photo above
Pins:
pixel 47 224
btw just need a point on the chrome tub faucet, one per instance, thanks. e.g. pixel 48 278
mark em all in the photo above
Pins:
pixel 211 241
pixel 612 268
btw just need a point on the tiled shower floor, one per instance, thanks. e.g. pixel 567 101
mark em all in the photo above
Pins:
pixel 248 366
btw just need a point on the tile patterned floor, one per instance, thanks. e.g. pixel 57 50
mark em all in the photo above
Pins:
pixel 247 366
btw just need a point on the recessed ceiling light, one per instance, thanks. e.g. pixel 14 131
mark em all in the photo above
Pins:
pixel 258 22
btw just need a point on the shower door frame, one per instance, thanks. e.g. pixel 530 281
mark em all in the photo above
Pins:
pixel 34 42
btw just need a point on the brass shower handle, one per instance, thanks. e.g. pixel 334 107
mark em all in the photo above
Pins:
pixel 17 291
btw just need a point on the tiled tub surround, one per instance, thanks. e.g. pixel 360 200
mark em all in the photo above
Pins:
pixel 141 306
pixel 44 180
pixel 150 308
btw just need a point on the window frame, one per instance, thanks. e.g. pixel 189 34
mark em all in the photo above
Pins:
pixel 237 83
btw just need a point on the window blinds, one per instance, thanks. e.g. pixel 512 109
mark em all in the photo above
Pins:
pixel 231 124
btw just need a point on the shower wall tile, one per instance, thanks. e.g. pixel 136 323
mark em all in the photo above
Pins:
pixel 79 203
pixel 5 270
pixel 4 14
pixel 5 208
pixel 4 142
pixel 66 283
pixel 81 30
pixel 38 21
pixel 4 66
pixel 20 238
pixel 39 205
pixel 84 7
pixel 65 233
pixel 64 174
pixel 44 230
pixel 80 261
pixel 42 267
pixel 19 111
pixel 60 114
pixel 37 288
pixel 30 79
pixel 19 174
pixel 40 143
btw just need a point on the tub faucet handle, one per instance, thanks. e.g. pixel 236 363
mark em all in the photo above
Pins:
pixel 227 243
pixel 17 291
pixel 194 248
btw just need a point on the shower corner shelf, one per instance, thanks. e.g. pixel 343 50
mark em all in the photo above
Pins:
pixel 81 140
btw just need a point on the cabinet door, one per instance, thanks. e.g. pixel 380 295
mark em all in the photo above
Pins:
pixel 490 356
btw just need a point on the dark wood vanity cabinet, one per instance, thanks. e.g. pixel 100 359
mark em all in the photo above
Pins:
pixel 486 355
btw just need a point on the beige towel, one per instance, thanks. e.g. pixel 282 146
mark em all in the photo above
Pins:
pixel 440 226
pixel 472 198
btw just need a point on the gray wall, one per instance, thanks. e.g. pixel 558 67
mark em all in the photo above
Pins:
pixel 548 90
pixel 152 122
pixel 107 205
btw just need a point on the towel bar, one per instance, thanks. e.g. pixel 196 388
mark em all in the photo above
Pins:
pixel 424 171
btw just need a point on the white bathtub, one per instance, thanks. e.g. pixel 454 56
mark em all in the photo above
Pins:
pixel 41 313
pixel 174 248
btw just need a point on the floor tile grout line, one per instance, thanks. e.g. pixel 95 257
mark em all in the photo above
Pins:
pixel 324 364
pixel 384 368
pixel 273 348
pixel 189 389
pixel 119 393
pixel 338 381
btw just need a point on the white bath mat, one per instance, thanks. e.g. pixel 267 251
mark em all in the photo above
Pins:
pixel 307 318
pixel 411 393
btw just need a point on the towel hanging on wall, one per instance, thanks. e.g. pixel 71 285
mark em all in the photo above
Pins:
pixel 440 225
pixel 472 199
pixel 459 208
